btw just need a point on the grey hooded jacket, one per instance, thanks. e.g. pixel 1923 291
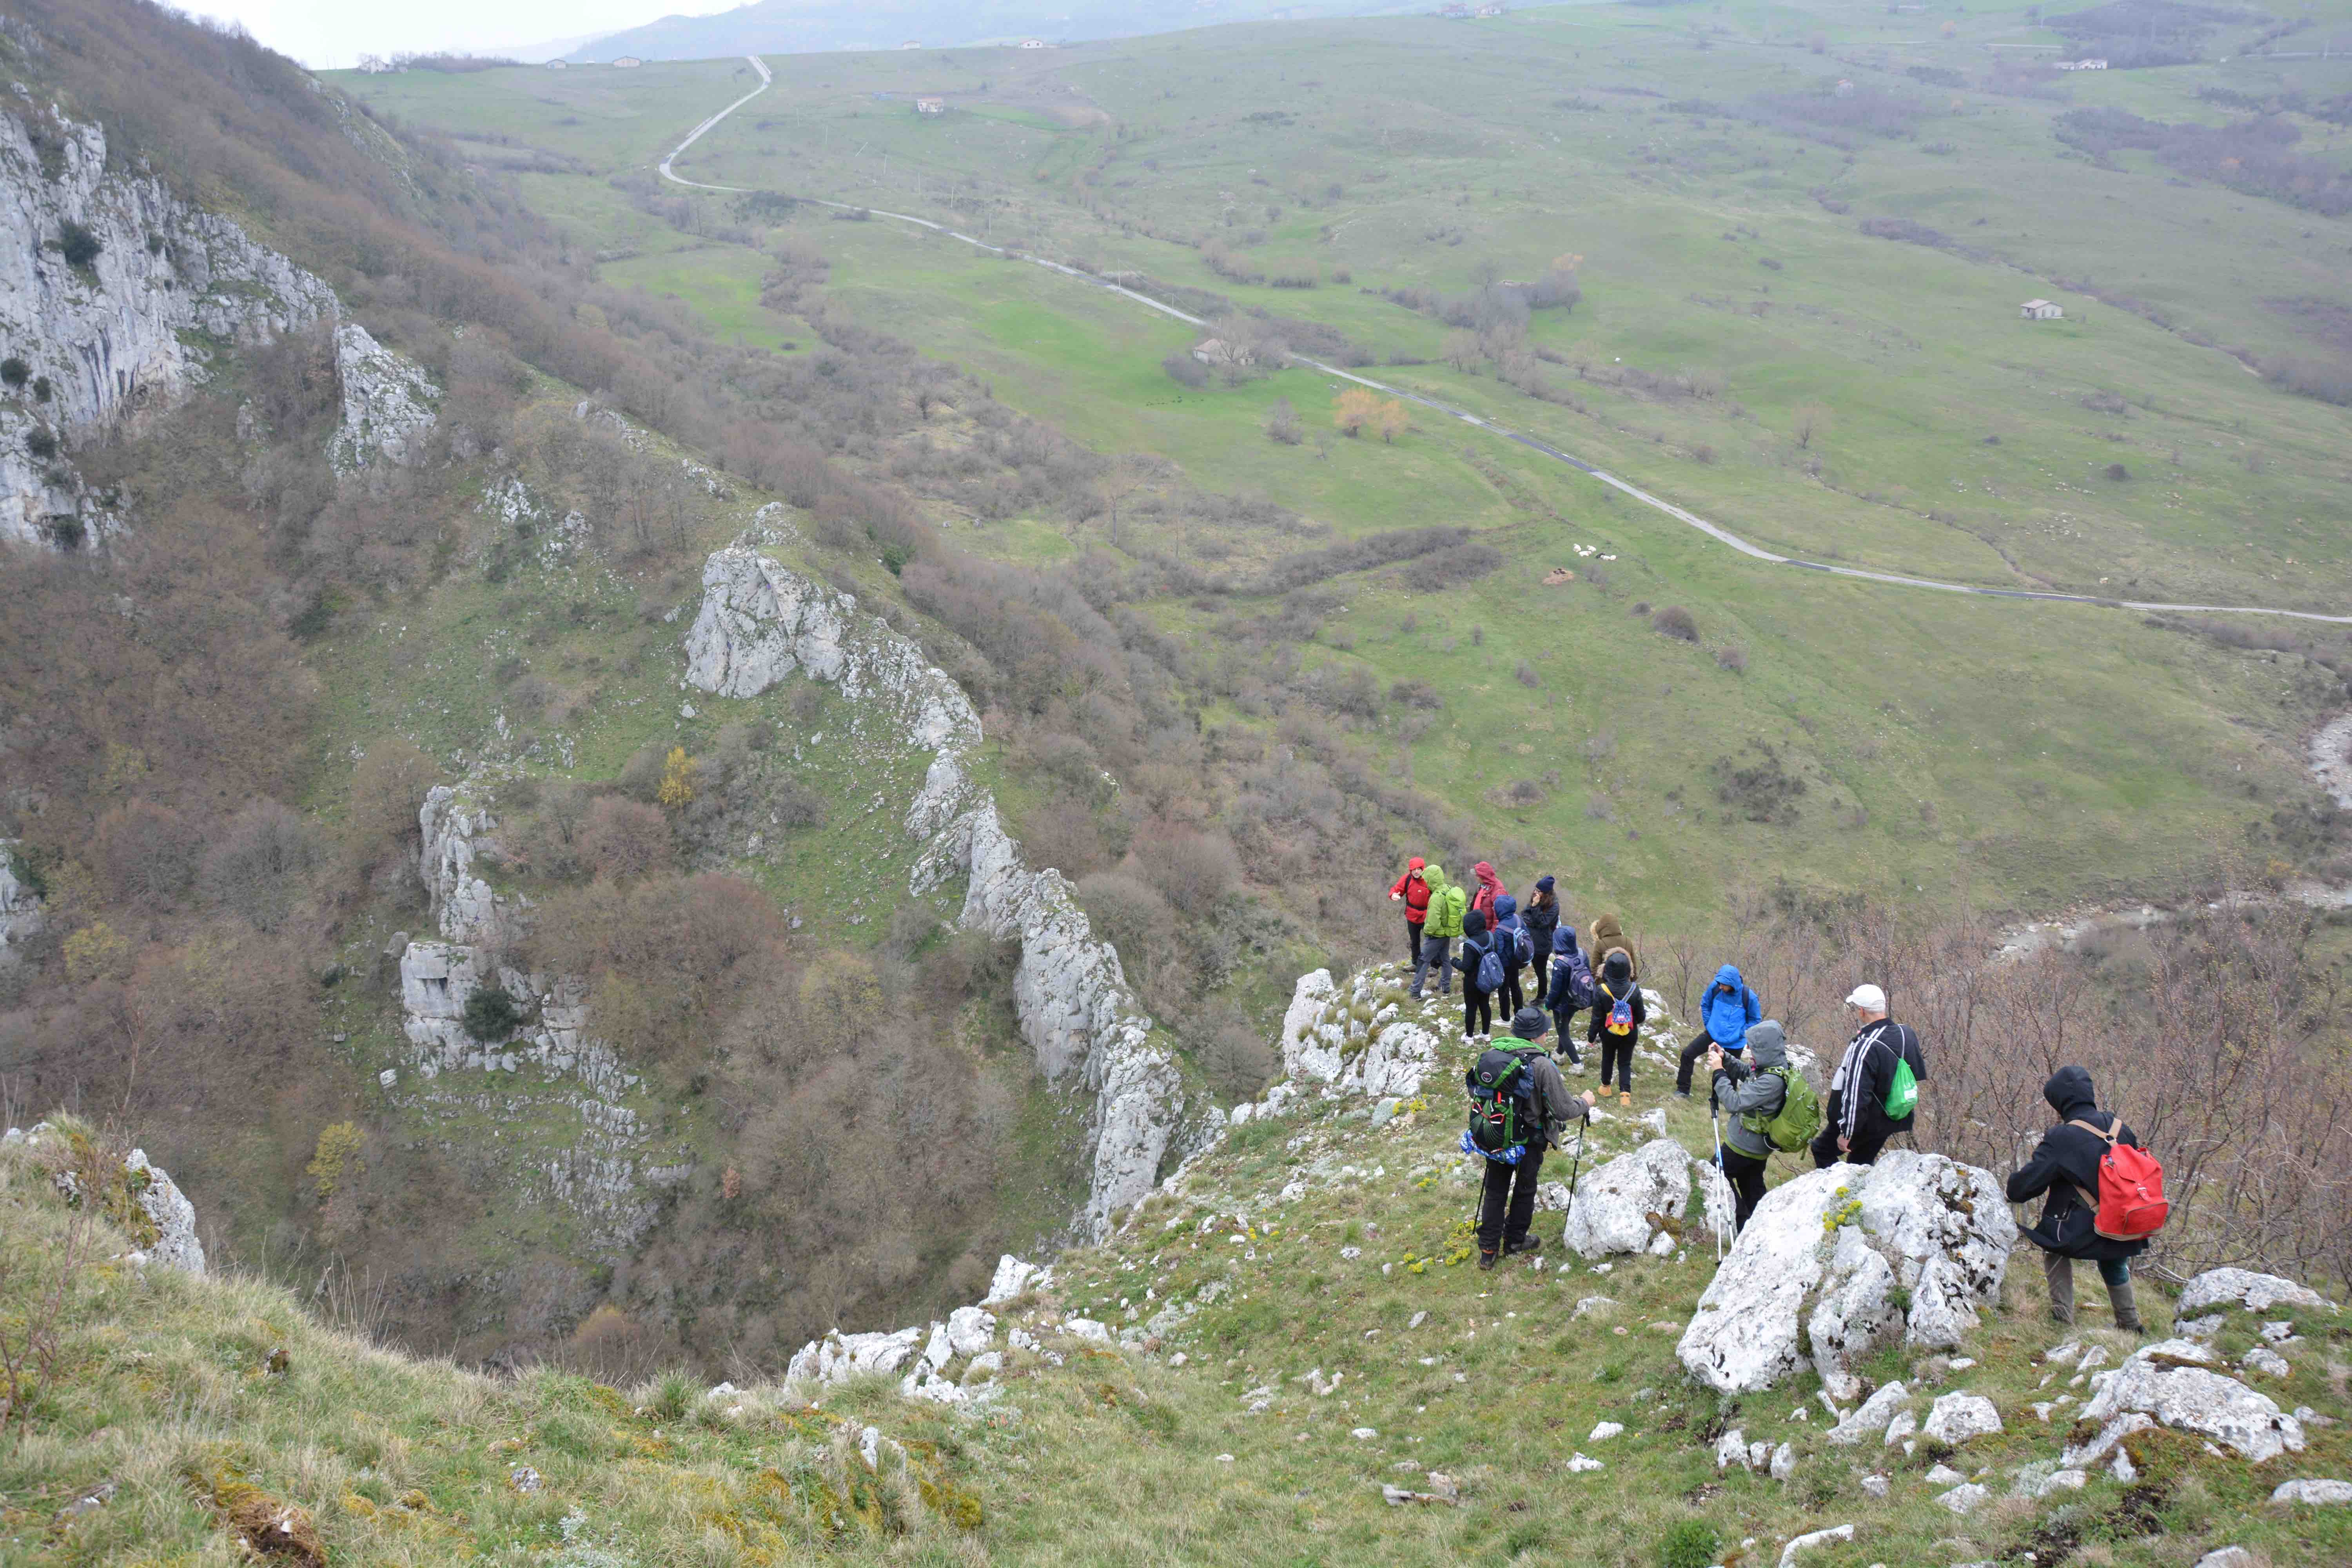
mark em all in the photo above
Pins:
pixel 1746 1094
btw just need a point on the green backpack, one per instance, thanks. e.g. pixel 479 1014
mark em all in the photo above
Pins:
pixel 1795 1125
pixel 1902 1094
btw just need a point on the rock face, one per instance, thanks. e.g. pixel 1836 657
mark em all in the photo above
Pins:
pixel 1616 1208
pixel 20 908
pixel 1933 1227
pixel 451 820
pixel 126 331
pixel 2166 1381
pixel 387 403
pixel 761 622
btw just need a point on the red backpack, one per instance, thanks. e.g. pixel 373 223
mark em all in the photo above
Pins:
pixel 2130 1204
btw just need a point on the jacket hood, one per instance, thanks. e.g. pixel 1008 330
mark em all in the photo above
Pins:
pixel 2069 1093
pixel 1767 1045
pixel 1473 923
pixel 1413 865
pixel 1485 875
pixel 1606 925
pixel 1505 907
pixel 1619 966
pixel 1729 976
pixel 1563 938
pixel 1432 873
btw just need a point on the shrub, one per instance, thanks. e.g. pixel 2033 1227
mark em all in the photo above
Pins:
pixel 254 868
pixel 1690 1543
pixel 148 853
pixel 492 1012
pixel 1190 868
pixel 41 441
pixel 641 775
pixel 1414 693
pixel 1675 622
pixel 626 839
pixel 1732 657
pixel 1525 674
pixel 337 1155
pixel 1282 422
pixel 79 244
pixel 2117 472
pixel 14 371
pixel 1184 370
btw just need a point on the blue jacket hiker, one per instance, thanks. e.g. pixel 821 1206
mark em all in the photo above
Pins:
pixel 1571 989
pixel 1515 948
pixel 1726 1014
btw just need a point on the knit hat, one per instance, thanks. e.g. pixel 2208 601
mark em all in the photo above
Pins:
pixel 1543 884
pixel 1529 1023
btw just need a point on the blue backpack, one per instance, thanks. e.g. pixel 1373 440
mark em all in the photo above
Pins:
pixel 1581 991
pixel 1489 976
pixel 1522 942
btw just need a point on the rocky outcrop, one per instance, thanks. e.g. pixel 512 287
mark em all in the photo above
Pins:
pixel 1838 1261
pixel 175 1217
pixel 1628 1204
pixel 2173 1382
pixel 1355 1042
pixel 451 820
pixel 387 403
pixel 2227 1289
pixel 760 623
pixel 20 906
pixel 132 323
pixel 954 1361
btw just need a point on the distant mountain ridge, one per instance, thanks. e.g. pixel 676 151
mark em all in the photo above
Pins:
pixel 803 26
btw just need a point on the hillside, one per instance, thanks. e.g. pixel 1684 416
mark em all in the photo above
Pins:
pixel 1284 1356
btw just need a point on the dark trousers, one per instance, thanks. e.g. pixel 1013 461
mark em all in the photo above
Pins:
pixel 1478 1011
pixel 1413 939
pixel 1508 1205
pixel 1691 1055
pixel 1512 998
pixel 1746 1174
pixel 1560 1018
pixel 1825 1149
pixel 1617 1058
pixel 1430 953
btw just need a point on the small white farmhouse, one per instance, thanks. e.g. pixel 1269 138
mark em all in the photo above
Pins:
pixel 2040 310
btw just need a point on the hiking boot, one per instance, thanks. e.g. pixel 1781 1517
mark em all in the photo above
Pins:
pixel 2126 1309
pixel 1625 1097
pixel 1682 1094
pixel 1486 1259
pixel 1525 1243
pixel 1576 1065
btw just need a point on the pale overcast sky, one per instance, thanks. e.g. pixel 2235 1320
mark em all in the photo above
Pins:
pixel 327 34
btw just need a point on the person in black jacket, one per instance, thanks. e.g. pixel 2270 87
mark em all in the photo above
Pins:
pixel 1857 1126
pixel 1540 915
pixel 1616 982
pixel 1477 1006
pixel 2066 1166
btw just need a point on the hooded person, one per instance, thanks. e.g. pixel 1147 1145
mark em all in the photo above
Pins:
pixel 1440 925
pixel 1607 935
pixel 1490 888
pixel 1724 1013
pixel 1508 929
pixel 1617 984
pixel 1506 1203
pixel 1412 891
pixel 1477 1001
pixel 1569 987
pixel 2065 1166
pixel 1540 915
pixel 1750 1093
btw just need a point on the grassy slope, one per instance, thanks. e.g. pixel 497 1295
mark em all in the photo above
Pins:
pixel 1124 1458
pixel 2039 754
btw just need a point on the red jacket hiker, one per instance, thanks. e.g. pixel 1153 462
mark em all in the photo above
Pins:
pixel 1489 887
pixel 1413 889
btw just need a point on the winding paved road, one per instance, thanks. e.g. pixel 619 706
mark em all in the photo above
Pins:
pixel 1713 531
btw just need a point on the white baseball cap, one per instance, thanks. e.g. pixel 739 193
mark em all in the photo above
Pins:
pixel 1868 998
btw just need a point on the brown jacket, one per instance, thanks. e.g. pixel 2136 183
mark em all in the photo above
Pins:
pixel 1608 933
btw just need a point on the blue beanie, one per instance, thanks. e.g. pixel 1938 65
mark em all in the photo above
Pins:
pixel 1543 884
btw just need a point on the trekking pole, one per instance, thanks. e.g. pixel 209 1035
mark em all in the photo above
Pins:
pixel 1714 1120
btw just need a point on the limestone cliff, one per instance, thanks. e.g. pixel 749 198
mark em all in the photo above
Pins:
pixel 761 622
pixel 115 295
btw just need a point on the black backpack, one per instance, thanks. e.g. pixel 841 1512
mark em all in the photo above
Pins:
pixel 1503 1115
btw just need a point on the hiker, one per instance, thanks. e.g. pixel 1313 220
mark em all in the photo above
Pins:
pixel 1570 990
pixel 1750 1093
pixel 1510 946
pixel 1870 1100
pixel 2066 1166
pixel 1490 888
pixel 1412 889
pixel 1540 915
pixel 1481 968
pixel 1507 1204
pixel 1439 927
pixel 1608 935
pixel 1617 1016
pixel 1724 1018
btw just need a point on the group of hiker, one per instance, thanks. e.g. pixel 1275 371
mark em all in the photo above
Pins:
pixel 2103 1195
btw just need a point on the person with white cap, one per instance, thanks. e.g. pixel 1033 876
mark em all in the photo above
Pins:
pixel 1875 1088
